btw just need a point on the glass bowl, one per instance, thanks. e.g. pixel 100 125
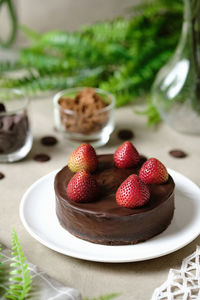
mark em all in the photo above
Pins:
pixel 15 133
pixel 84 115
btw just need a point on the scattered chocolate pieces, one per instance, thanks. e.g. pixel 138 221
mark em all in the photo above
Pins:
pixel 125 134
pixel 49 141
pixel 41 157
pixel 2 107
pixel 14 129
pixel 1 175
pixel 178 153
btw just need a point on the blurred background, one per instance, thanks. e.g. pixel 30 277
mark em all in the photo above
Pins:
pixel 63 14
pixel 117 46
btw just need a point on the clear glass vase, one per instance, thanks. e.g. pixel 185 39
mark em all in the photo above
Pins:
pixel 176 90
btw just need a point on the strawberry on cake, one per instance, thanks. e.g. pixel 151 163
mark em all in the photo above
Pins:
pixel 114 199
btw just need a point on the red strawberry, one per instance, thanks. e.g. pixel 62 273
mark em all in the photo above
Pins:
pixel 82 187
pixel 83 158
pixel 153 172
pixel 132 192
pixel 126 156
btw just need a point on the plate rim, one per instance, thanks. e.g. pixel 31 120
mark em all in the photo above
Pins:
pixel 87 257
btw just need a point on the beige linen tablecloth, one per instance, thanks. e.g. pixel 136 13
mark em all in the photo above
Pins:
pixel 135 281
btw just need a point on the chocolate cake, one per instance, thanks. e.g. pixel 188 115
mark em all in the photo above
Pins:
pixel 103 221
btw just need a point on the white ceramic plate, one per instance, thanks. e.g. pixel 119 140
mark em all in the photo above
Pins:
pixel 37 212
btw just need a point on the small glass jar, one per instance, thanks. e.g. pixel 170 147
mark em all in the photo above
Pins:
pixel 85 123
pixel 15 133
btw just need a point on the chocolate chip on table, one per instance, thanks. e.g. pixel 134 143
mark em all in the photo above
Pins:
pixel 177 153
pixel 125 134
pixel 41 157
pixel 49 141
pixel 2 107
pixel 1 175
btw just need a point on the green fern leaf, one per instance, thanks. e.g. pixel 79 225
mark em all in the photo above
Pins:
pixel 151 112
pixel 105 297
pixel 20 278
pixel 7 66
pixel 31 34
pixel 0 258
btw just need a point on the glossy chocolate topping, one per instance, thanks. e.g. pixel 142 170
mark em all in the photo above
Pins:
pixel 103 220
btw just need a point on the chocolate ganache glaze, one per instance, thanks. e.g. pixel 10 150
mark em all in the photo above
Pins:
pixel 103 221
